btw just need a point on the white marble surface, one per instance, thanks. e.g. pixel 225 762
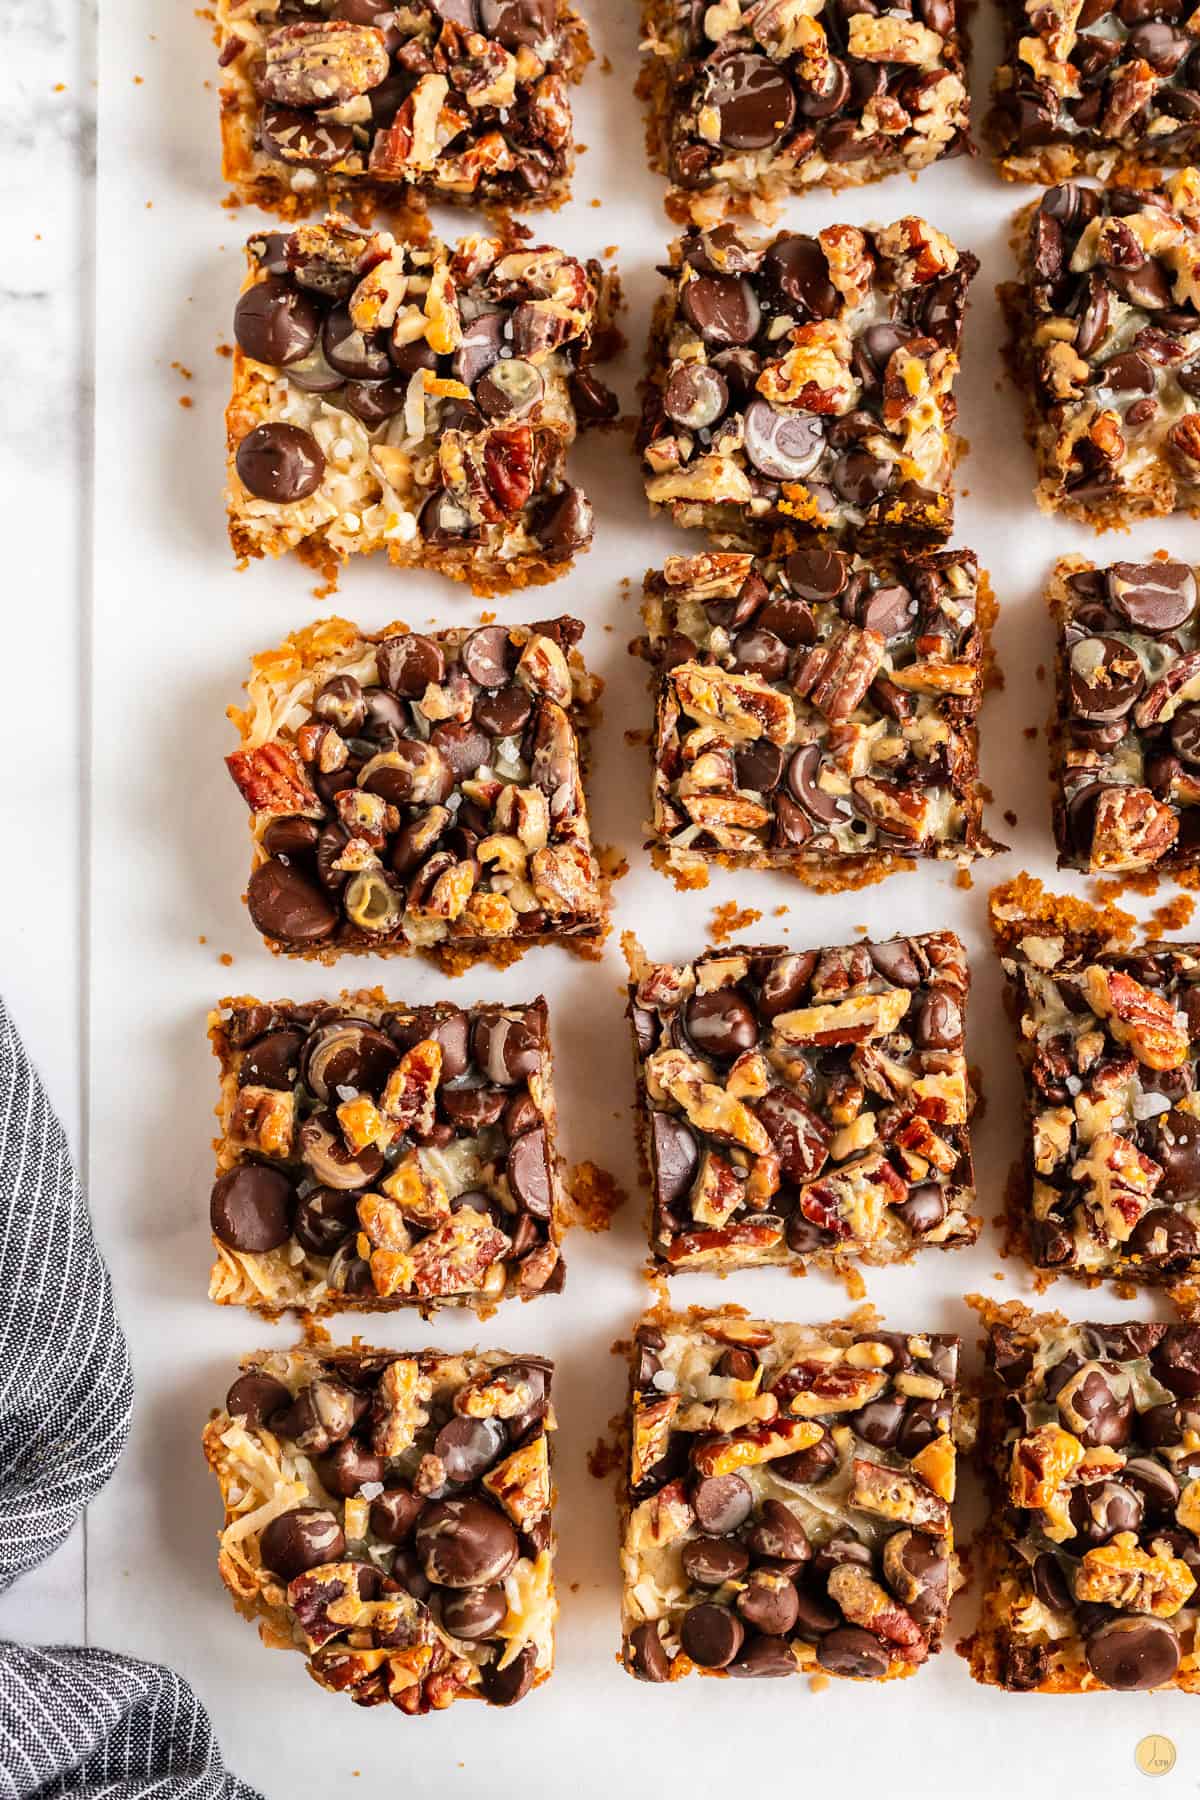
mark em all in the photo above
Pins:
pixel 123 650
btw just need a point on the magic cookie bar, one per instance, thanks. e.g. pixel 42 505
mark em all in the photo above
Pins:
pixel 1089 1443
pixel 1127 735
pixel 1090 88
pixel 388 1514
pixel 413 398
pixel 1109 1041
pixel 454 100
pixel 374 1155
pixel 749 101
pixel 805 1106
pixel 419 793
pixel 815 709
pixel 807 379
pixel 1105 346
pixel 788 1498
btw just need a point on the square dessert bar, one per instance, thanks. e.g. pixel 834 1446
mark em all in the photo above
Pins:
pixel 1104 343
pixel 807 379
pixel 1126 741
pixel 388 1514
pixel 1109 1042
pixel 749 102
pixel 413 398
pixel 805 1106
pixel 1091 87
pixel 1089 1443
pixel 374 1155
pixel 452 100
pixel 816 710
pixel 787 1505
pixel 419 793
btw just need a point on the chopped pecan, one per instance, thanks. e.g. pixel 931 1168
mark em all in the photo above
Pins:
pixel 836 676
pixel 521 1483
pixel 1118 1183
pixel 901 810
pixel 383 1223
pixel 398 1409
pixel 889 39
pixel 814 1389
pixel 263 1120
pixel 815 375
pixel 707 1106
pixel 1121 1574
pixel 1178 685
pixel 420 1194
pixel 660 1520
pixel 1183 439
pixel 852 1021
pixel 411 1090
pixel 753 1445
pixel 563 877
pixel 718 1191
pixel 1041 1462
pixel 851 1201
pixel 456 1256
pixel 322 62
pixel 543 671
pixel 271 779
pixel 866 1604
pixel 893 1494
pixel 1145 1021
pixel 743 704
pixel 651 1434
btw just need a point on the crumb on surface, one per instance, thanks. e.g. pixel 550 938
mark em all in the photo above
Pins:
pixel 964 879
pixel 604 1458
pixel 1174 914
pixel 593 1196
pixel 186 401
pixel 731 917
pixel 1010 817
pixel 225 960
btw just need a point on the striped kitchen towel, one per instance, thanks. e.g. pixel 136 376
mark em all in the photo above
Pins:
pixel 73 1721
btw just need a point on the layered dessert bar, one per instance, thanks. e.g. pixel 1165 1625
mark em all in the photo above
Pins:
pixel 816 709
pixel 749 103
pixel 1094 89
pixel 1104 344
pixel 460 101
pixel 412 792
pixel 388 1514
pixel 787 1503
pixel 805 1106
pixel 1126 736
pixel 406 396
pixel 373 1155
pixel 1108 1041
pixel 807 380
pixel 1089 1441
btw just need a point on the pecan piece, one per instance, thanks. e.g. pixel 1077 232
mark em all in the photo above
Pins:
pixel 812 1390
pixel 868 1605
pixel 753 1445
pixel 903 812
pixel 411 1090
pixel 852 1021
pixel 660 1520
pixel 1162 700
pixel 1120 1574
pixel 851 1201
pixel 707 1106
pixel 1145 1021
pixel 718 1191
pixel 1041 1462
pixel 893 1494
pixel 836 676
pixel 323 62
pixel 651 1435
pixel 398 1409
pixel 271 779
pixel 1118 1183
pixel 263 1120
pixel 521 1483
pixel 456 1257
pixel 743 704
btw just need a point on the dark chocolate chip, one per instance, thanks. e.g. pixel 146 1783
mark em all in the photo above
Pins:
pixel 468 1447
pixel 276 322
pixel 852 1652
pixel 301 1539
pixel 394 1513
pixel 280 462
pixel 324 1220
pixel 711 1635
pixel 754 100
pixel 722 1503
pixel 1133 1653
pixel 796 271
pixel 473 1613
pixel 722 308
pixel 505 1686
pixel 695 396
pixel 647 1657
pixel 721 1023
pixel 676 1156
pixel 712 1561
pixel 251 1208
pixel 528 1171
pixel 255 1397
pixel 465 1543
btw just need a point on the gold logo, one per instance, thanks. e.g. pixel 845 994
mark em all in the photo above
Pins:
pixel 1155 1755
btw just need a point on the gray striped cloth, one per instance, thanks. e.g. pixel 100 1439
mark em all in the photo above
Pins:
pixel 72 1721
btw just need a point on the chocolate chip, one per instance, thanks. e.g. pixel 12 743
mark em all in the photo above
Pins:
pixel 511 389
pixel 722 308
pixel 505 711
pixel 1165 1237
pixel 712 1561
pixel 890 611
pixel 852 1652
pixel 280 462
pixel 1173 1139
pixel 808 1468
pixel 791 620
pixel 778 1533
pixel 816 574
pixel 463 745
pixel 518 24
pixel 465 1543
pixel 937 1023
pixel 528 1170
pixel 722 1503
pixel 815 1613
pixel 324 1220
pixel 394 1513
pixel 564 523
pixel 473 1613
pixel 803 782
pixel 759 765
pixel 506 1049
pixel 768 1602
pixel 291 837
pixel 468 1447
pixel 273 1061
pixel 647 1657
pixel 1105 677
pixel 753 98
pixel 1103 1412
pixel 255 1397
pixel 1176 1361
pixel 695 396
pixel 1133 1653
pixel 348 1466
pixel 1155 596
pixel 304 1538
pixel 861 478
pixel 795 270
pixel 485 656
pixel 301 137
pixel 251 1208
pixel 924 1208
pixel 275 322
pixel 360 355
pixel 721 1024
pixel 762 1658
pixel 409 663
pixel 783 446
pixel 711 1635
pixel 345 1052
pixel 676 1156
